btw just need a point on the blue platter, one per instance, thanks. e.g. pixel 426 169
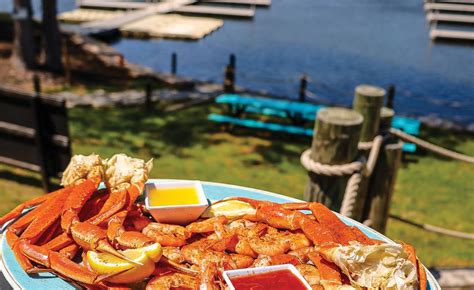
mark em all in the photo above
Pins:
pixel 18 279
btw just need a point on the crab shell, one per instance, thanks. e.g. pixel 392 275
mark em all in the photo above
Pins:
pixel 122 171
pixel 83 167
pixel 383 266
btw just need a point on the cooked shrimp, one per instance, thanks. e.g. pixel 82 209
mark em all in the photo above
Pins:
pixel 167 235
pixel 173 254
pixel 206 226
pixel 310 273
pixel 265 240
pixel 297 240
pixel 174 280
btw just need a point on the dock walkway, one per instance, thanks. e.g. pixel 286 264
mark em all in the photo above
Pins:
pixel 131 16
pixel 449 7
pixel 444 17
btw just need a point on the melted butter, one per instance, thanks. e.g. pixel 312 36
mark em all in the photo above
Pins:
pixel 173 196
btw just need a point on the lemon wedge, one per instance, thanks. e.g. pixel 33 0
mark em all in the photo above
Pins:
pixel 229 208
pixel 105 263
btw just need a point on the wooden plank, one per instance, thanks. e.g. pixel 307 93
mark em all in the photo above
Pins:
pixel 451 34
pixel 113 4
pixel 455 1
pixel 436 17
pixel 241 2
pixel 117 22
pixel 449 7
pixel 217 11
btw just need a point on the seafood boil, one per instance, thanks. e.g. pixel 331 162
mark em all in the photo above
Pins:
pixel 101 238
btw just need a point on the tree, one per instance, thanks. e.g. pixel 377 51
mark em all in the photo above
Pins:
pixel 51 36
pixel 24 55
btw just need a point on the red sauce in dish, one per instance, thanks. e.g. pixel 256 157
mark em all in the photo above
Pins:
pixel 275 280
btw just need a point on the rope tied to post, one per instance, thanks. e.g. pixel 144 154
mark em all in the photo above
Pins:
pixel 356 169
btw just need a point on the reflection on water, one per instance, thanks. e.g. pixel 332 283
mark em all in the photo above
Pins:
pixel 339 44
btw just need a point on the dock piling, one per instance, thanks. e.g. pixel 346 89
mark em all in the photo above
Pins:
pixel 303 86
pixel 232 60
pixel 174 63
pixel 229 79
pixel 390 96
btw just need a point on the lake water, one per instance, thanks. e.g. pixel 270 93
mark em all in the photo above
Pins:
pixel 339 44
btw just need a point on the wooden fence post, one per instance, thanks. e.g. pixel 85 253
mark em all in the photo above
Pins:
pixel 303 86
pixel 386 117
pixel 229 79
pixel 174 63
pixel 40 134
pixel 390 96
pixel 335 142
pixel 232 60
pixel 368 101
pixel 382 185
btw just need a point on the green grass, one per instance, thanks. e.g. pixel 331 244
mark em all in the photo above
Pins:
pixel 185 145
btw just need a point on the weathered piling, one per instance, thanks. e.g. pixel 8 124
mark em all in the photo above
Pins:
pixel 386 117
pixel 368 100
pixel 303 86
pixel 174 63
pixel 334 143
pixel 390 96
pixel 229 79
pixel 382 184
pixel 232 60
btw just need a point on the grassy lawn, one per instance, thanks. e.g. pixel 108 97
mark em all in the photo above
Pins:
pixel 185 145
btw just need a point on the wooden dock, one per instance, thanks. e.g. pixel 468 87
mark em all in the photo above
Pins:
pixel 454 18
pixel 131 16
pixel 241 2
pixel 452 1
pixel 217 11
pixel 451 34
pixel 449 7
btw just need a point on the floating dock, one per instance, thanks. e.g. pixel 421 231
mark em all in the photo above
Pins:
pixel 160 26
pixel 103 18
pixel 449 7
pixel 217 11
pixel 451 34
pixel 455 18
pixel 458 12
pixel 172 26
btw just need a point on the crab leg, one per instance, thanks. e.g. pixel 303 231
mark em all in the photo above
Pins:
pixel 117 234
pixel 59 263
pixel 28 204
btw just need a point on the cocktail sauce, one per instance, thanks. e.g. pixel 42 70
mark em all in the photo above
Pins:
pixel 274 280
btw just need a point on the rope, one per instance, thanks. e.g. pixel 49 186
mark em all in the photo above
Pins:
pixel 435 229
pixel 326 169
pixel 350 194
pixel 432 147
pixel 354 169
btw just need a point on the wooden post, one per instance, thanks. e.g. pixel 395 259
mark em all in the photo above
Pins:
pixel 335 142
pixel 368 101
pixel 382 183
pixel 229 79
pixel 232 60
pixel 174 63
pixel 40 134
pixel 390 96
pixel 303 85
pixel 386 117
pixel 148 93
pixel 67 63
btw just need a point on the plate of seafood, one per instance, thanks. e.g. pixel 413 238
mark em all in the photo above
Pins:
pixel 110 226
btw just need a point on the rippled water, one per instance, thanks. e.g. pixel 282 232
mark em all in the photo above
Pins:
pixel 339 44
